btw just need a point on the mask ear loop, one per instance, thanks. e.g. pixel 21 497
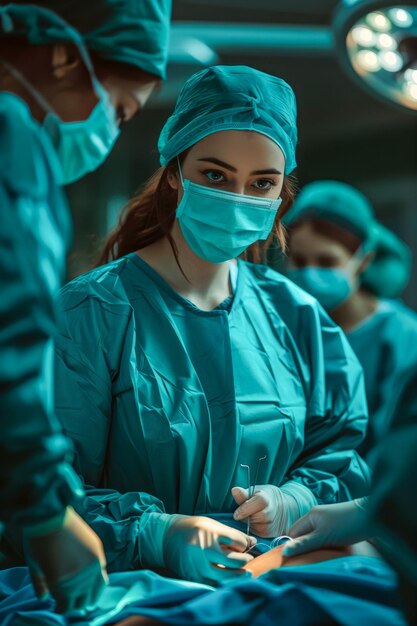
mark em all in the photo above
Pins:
pixel 358 256
pixel 37 96
pixel 179 169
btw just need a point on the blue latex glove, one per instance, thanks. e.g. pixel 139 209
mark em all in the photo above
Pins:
pixel 66 560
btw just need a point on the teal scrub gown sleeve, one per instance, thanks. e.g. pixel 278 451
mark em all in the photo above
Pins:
pixel 37 481
pixel 392 504
pixel 131 525
pixel 329 466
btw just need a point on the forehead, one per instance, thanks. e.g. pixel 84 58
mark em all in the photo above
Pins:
pixel 306 240
pixel 240 148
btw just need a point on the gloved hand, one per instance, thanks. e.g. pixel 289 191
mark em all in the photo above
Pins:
pixel 66 559
pixel 329 525
pixel 268 509
pixel 203 550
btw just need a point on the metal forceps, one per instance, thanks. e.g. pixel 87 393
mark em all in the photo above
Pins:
pixel 251 488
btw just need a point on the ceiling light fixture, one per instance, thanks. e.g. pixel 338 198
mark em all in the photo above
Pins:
pixel 377 44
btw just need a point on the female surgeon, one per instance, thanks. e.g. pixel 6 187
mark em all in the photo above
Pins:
pixel 57 123
pixel 352 265
pixel 181 370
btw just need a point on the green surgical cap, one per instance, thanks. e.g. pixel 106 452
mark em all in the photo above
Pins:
pixel 135 32
pixel 343 205
pixel 231 98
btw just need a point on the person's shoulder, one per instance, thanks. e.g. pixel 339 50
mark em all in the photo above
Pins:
pixel 279 287
pixel 27 159
pixel 98 287
pixel 399 314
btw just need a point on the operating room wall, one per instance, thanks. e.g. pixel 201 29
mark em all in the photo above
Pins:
pixel 344 134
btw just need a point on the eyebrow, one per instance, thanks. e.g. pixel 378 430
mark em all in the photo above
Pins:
pixel 229 167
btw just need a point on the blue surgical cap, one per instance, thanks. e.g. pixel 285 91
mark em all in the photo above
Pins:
pixel 340 204
pixel 135 32
pixel 231 98
pixel 337 202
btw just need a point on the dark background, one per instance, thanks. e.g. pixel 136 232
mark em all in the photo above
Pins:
pixel 344 132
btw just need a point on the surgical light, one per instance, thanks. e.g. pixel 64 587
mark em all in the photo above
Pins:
pixel 401 17
pixel 377 45
pixel 386 42
pixel 378 21
pixel 363 36
pixel 368 60
pixel 411 89
pixel 390 61
pixel 411 76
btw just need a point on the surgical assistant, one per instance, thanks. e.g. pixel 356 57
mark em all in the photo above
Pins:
pixel 389 515
pixel 177 366
pixel 356 268
pixel 57 123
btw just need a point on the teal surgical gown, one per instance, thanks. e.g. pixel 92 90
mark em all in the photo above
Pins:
pixel 36 481
pixel 164 401
pixel 386 346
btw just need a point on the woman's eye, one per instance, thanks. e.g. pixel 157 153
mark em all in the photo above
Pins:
pixel 214 176
pixel 264 184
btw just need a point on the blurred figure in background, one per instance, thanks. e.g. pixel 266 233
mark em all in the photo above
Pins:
pixel 60 115
pixel 354 266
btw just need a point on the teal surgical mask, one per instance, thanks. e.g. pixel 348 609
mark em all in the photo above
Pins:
pixel 331 286
pixel 220 225
pixel 81 146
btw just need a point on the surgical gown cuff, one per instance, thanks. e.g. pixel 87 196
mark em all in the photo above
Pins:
pixel 299 500
pixel 153 528
pixel 362 503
